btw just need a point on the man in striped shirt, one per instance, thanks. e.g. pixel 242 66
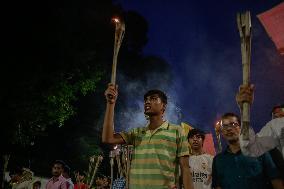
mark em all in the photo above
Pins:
pixel 159 147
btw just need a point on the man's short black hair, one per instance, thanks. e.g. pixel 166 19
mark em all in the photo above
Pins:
pixel 16 170
pixel 193 132
pixel 62 163
pixel 38 183
pixel 160 93
pixel 82 173
pixel 230 114
pixel 276 107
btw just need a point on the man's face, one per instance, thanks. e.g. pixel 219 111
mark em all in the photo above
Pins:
pixel 36 186
pixel 57 169
pixel 105 182
pixel 15 178
pixel 153 105
pixel 196 142
pixel 99 182
pixel 81 177
pixel 278 113
pixel 230 129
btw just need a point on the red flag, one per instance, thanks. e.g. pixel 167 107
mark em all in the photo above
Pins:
pixel 208 145
pixel 273 22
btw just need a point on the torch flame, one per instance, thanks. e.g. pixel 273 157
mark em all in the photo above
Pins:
pixel 116 20
pixel 218 126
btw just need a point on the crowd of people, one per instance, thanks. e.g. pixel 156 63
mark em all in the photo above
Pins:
pixel 23 178
pixel 165 157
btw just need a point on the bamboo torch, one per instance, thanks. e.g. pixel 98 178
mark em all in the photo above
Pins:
pixel 244 26
pixel 128 161
pixel 5 166
pixel 118 161
pixel 218 136
pixel 112 156
pixel 118 37
pixel 99 160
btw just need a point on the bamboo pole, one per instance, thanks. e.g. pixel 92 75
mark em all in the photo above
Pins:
pixel 111 155
pixel 99 160
pixel 89 170
pixel 244 26
pixel 128 163
pixel 6 158
pixel 218 136
pixel 118 37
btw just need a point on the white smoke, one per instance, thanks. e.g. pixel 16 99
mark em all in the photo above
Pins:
pixel 131 113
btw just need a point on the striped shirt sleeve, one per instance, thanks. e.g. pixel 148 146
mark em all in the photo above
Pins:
pixel 182 143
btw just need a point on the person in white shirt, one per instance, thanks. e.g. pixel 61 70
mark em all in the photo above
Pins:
pixel 270 136
pixel 200 162
pixel 22 178
pixel 66 175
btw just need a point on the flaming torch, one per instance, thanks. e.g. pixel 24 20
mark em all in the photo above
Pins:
pixel 118 37
pixel 95 169
pixel 128 163
pixel 244 26
pixel 111 155
pixel 218 136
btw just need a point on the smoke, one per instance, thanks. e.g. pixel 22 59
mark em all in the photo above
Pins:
pixel 205 56
pixel 130 113
pixel 210 75
pixel 207 83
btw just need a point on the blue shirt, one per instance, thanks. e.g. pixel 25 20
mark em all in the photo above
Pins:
pixel 235 171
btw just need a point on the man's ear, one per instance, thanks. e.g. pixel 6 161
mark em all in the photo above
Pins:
pixel 164 107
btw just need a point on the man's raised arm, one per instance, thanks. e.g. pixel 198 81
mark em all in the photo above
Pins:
pixel 108 135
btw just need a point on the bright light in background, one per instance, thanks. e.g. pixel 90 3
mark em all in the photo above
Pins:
pixel 116 20
pixel 218 126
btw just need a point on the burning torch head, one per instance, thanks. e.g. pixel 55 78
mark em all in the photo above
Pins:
pixel 119 24
pixel 218 127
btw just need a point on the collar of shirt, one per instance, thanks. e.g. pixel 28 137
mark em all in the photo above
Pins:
pixel 55 179
pixel 165 125
pixel 228 150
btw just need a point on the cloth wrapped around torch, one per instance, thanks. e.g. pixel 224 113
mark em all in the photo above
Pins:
pixel 217 128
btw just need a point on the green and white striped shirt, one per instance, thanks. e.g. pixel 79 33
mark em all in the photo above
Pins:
pixel 155 160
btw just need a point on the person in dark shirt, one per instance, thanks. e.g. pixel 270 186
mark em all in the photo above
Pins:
pixel 233 170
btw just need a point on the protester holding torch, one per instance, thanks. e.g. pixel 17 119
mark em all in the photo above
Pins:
pixel 148 170
pixel 271 135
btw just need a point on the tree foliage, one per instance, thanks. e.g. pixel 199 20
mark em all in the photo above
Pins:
pixel 53 86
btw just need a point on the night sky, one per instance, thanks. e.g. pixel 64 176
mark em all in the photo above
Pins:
pixel 200 40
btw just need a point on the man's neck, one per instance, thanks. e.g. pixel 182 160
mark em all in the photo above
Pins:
pixel 55 177
pixel 155 122
pixel 197 152
pixel 235 147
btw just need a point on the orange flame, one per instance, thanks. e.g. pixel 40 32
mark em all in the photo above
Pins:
pixel 116 20
pixel 218 126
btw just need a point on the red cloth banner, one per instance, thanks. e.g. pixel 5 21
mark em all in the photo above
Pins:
pixel 273 22
pixel 208 145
